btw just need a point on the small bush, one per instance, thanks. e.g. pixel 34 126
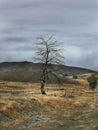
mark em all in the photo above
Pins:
pixel 75 76
pixel 92 81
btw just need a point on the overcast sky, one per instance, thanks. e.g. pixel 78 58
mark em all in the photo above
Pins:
pixel 73 22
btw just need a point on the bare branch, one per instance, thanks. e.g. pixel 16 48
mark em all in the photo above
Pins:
pixel 49 53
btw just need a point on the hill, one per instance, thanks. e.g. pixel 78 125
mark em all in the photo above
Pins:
pixel 31 72
pixel 66 70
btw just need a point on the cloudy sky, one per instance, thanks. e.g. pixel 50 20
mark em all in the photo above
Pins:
pixel 73 22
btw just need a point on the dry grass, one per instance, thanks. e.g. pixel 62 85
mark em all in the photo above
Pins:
pixel 67 107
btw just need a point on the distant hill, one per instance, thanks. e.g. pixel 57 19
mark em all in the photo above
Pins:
pixel 31 72
pixel 65 70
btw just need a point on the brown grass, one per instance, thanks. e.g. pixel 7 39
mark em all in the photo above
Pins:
pixel 65 107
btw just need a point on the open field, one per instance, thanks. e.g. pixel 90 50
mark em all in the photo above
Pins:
pixel 66 107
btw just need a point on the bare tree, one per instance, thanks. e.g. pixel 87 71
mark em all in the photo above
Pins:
pixel 48 53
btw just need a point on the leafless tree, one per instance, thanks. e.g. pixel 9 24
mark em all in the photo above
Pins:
pixel 49 52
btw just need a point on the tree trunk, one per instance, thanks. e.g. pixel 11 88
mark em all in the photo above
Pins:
pixel 42 87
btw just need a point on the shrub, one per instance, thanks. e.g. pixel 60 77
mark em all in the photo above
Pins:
pixel 92 81
pixel 75 76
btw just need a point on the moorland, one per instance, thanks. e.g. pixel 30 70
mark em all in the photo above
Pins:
pixel 70 106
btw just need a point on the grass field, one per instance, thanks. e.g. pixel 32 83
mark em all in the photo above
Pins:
pixel 66 107
pixel 33 76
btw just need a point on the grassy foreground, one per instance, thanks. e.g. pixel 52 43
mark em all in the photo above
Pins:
pixel 69 107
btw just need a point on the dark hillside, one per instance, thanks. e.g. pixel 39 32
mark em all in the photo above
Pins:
pixel 66 70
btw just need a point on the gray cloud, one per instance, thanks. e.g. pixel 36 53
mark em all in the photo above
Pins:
pixel 75 4
pixel 74 22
